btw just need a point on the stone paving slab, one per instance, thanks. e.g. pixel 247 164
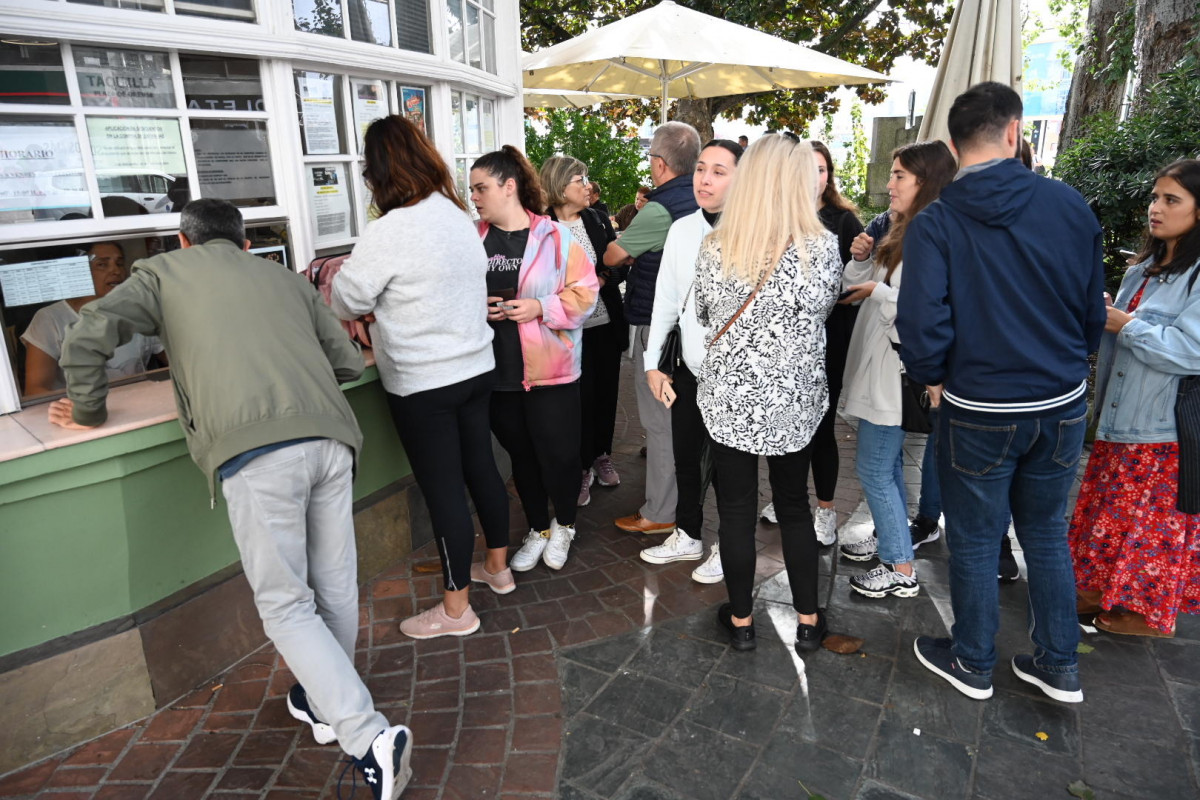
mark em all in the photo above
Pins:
pixel 611 679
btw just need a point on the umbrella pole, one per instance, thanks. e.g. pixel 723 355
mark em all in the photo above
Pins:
pixel 662 114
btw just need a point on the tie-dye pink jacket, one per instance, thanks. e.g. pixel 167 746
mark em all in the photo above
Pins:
pixel 557 272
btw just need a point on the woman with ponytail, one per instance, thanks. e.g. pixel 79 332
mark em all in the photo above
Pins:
pixel 541 289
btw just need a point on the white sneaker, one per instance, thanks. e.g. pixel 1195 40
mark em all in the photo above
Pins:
pixel 559 545
pixel 710 571
pixel 527 557
pixel 885 580
pixel 768 514
pixel 825 522
pixel 677 547
pixel 862 550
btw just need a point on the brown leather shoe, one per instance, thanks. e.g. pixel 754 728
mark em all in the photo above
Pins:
pixel 636 523
pixel 1128 623
pixel 1087 601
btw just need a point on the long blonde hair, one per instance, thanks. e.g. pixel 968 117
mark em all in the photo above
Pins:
pixel 770 205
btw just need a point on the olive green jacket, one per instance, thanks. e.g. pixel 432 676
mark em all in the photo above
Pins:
pixel 256 355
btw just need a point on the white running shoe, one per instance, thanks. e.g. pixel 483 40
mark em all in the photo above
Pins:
pixel 710 571
pixel 677 547
pixel 825 522
pixel 559 545
pixel 768 514
pixel 885 580
pixel 527 557
pixel 861 550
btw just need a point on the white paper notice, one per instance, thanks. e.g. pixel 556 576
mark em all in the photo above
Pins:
pixel 317 113
pixel 330 202
pixel 44 281
pixel 370 104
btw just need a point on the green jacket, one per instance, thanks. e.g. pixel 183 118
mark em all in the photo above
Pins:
pixel 256 355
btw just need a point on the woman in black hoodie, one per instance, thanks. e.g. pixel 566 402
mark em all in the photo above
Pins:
pixel 606 333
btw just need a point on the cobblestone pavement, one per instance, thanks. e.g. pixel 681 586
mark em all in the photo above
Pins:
pixel 611 679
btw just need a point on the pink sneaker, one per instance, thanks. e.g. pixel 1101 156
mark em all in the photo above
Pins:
pixel 500 583
pixel 606 473
pixel 434 622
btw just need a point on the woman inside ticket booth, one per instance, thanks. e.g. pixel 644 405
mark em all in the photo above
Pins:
pixel 43 338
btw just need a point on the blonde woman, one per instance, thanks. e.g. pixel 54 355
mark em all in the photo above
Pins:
pixel 766 279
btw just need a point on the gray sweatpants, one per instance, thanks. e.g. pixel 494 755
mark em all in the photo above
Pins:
pixel 661 493
pixel 292 517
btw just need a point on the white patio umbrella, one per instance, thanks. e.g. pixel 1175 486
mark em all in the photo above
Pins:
pixel 983 44
pixel 671 51
pixel 564 98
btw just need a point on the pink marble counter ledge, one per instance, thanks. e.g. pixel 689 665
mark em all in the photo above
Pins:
pixel 136 405
pixel 15 441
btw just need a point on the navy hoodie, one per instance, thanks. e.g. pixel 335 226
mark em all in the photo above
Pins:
pixel 1003 292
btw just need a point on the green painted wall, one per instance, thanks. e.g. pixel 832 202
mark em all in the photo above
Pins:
pixel 98 530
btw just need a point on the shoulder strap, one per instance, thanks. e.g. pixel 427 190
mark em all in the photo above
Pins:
pixel 738 313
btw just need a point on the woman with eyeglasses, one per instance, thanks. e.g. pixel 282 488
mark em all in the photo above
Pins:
pixel 419 268
pixel 605 333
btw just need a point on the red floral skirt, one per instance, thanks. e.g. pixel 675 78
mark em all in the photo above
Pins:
pixel 1127 539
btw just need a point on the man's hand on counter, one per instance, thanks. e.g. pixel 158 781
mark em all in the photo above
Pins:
pixel 61 415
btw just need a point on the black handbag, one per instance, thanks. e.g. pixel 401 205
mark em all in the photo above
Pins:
pixel 671 355
pixel 914 406
pixel 1187 429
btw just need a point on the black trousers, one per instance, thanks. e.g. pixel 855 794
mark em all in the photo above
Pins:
pixel 598 384
pixel 737 503
pixel 688 440
pixel 446 435
pixel 825 456
pixel 540 431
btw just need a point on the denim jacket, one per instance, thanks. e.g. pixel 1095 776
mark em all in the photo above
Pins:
pixel 1139 368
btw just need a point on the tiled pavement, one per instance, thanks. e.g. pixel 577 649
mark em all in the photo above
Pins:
pixel 611 679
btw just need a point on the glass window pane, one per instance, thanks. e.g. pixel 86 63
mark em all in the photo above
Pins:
pixel 412 25
pixel 456 113
pixel 369 21
pixel 233 161
pixel 242 10
pixel 136 5
pixel 474 53
pixel 489 43
pixel 32 73
pixel 319 103
pixel 42 178
pixel 139 165
pixel 462 171
pixel 471 116
pixel 329 202
pixel 487 117
pixel 412 105
pixel 124 78
pixel 454 19
pixel 221 84
pixel 318 16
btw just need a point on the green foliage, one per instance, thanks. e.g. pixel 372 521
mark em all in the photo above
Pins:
pixel 870 33
pixel 1071 18
pixel 1119 59
pixel 853 172
pixel 1113 163
pixel 614 160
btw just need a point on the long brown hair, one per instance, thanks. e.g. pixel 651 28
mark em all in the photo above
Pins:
pixel 509 162
pixel 831 196
pixel 932 164
pixel 403 167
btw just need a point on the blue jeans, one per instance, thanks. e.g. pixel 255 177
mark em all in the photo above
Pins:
pixel 930 504
pixel 987 465
pixel 880 466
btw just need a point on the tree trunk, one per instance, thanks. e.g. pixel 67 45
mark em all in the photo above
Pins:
pixel 697 113
pixel 1164 32
pixel 1091 94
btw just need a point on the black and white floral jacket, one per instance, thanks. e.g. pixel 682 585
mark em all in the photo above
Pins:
pixel 762 386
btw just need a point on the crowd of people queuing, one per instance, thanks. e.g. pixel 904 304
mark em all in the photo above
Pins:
pixel 983 283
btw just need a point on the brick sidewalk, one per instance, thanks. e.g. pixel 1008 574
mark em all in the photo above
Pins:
pixel 610 679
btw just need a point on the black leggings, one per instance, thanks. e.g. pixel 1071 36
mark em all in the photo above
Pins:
pixel 540 431
pixel 737 504
pixel 598 384
pixel 449 445
pixel 688 439
pixel 825 455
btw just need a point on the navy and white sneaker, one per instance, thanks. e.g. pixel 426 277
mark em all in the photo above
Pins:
pixel 385 767
pixel 938 657
pixel 1058 686
pixel 297 705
